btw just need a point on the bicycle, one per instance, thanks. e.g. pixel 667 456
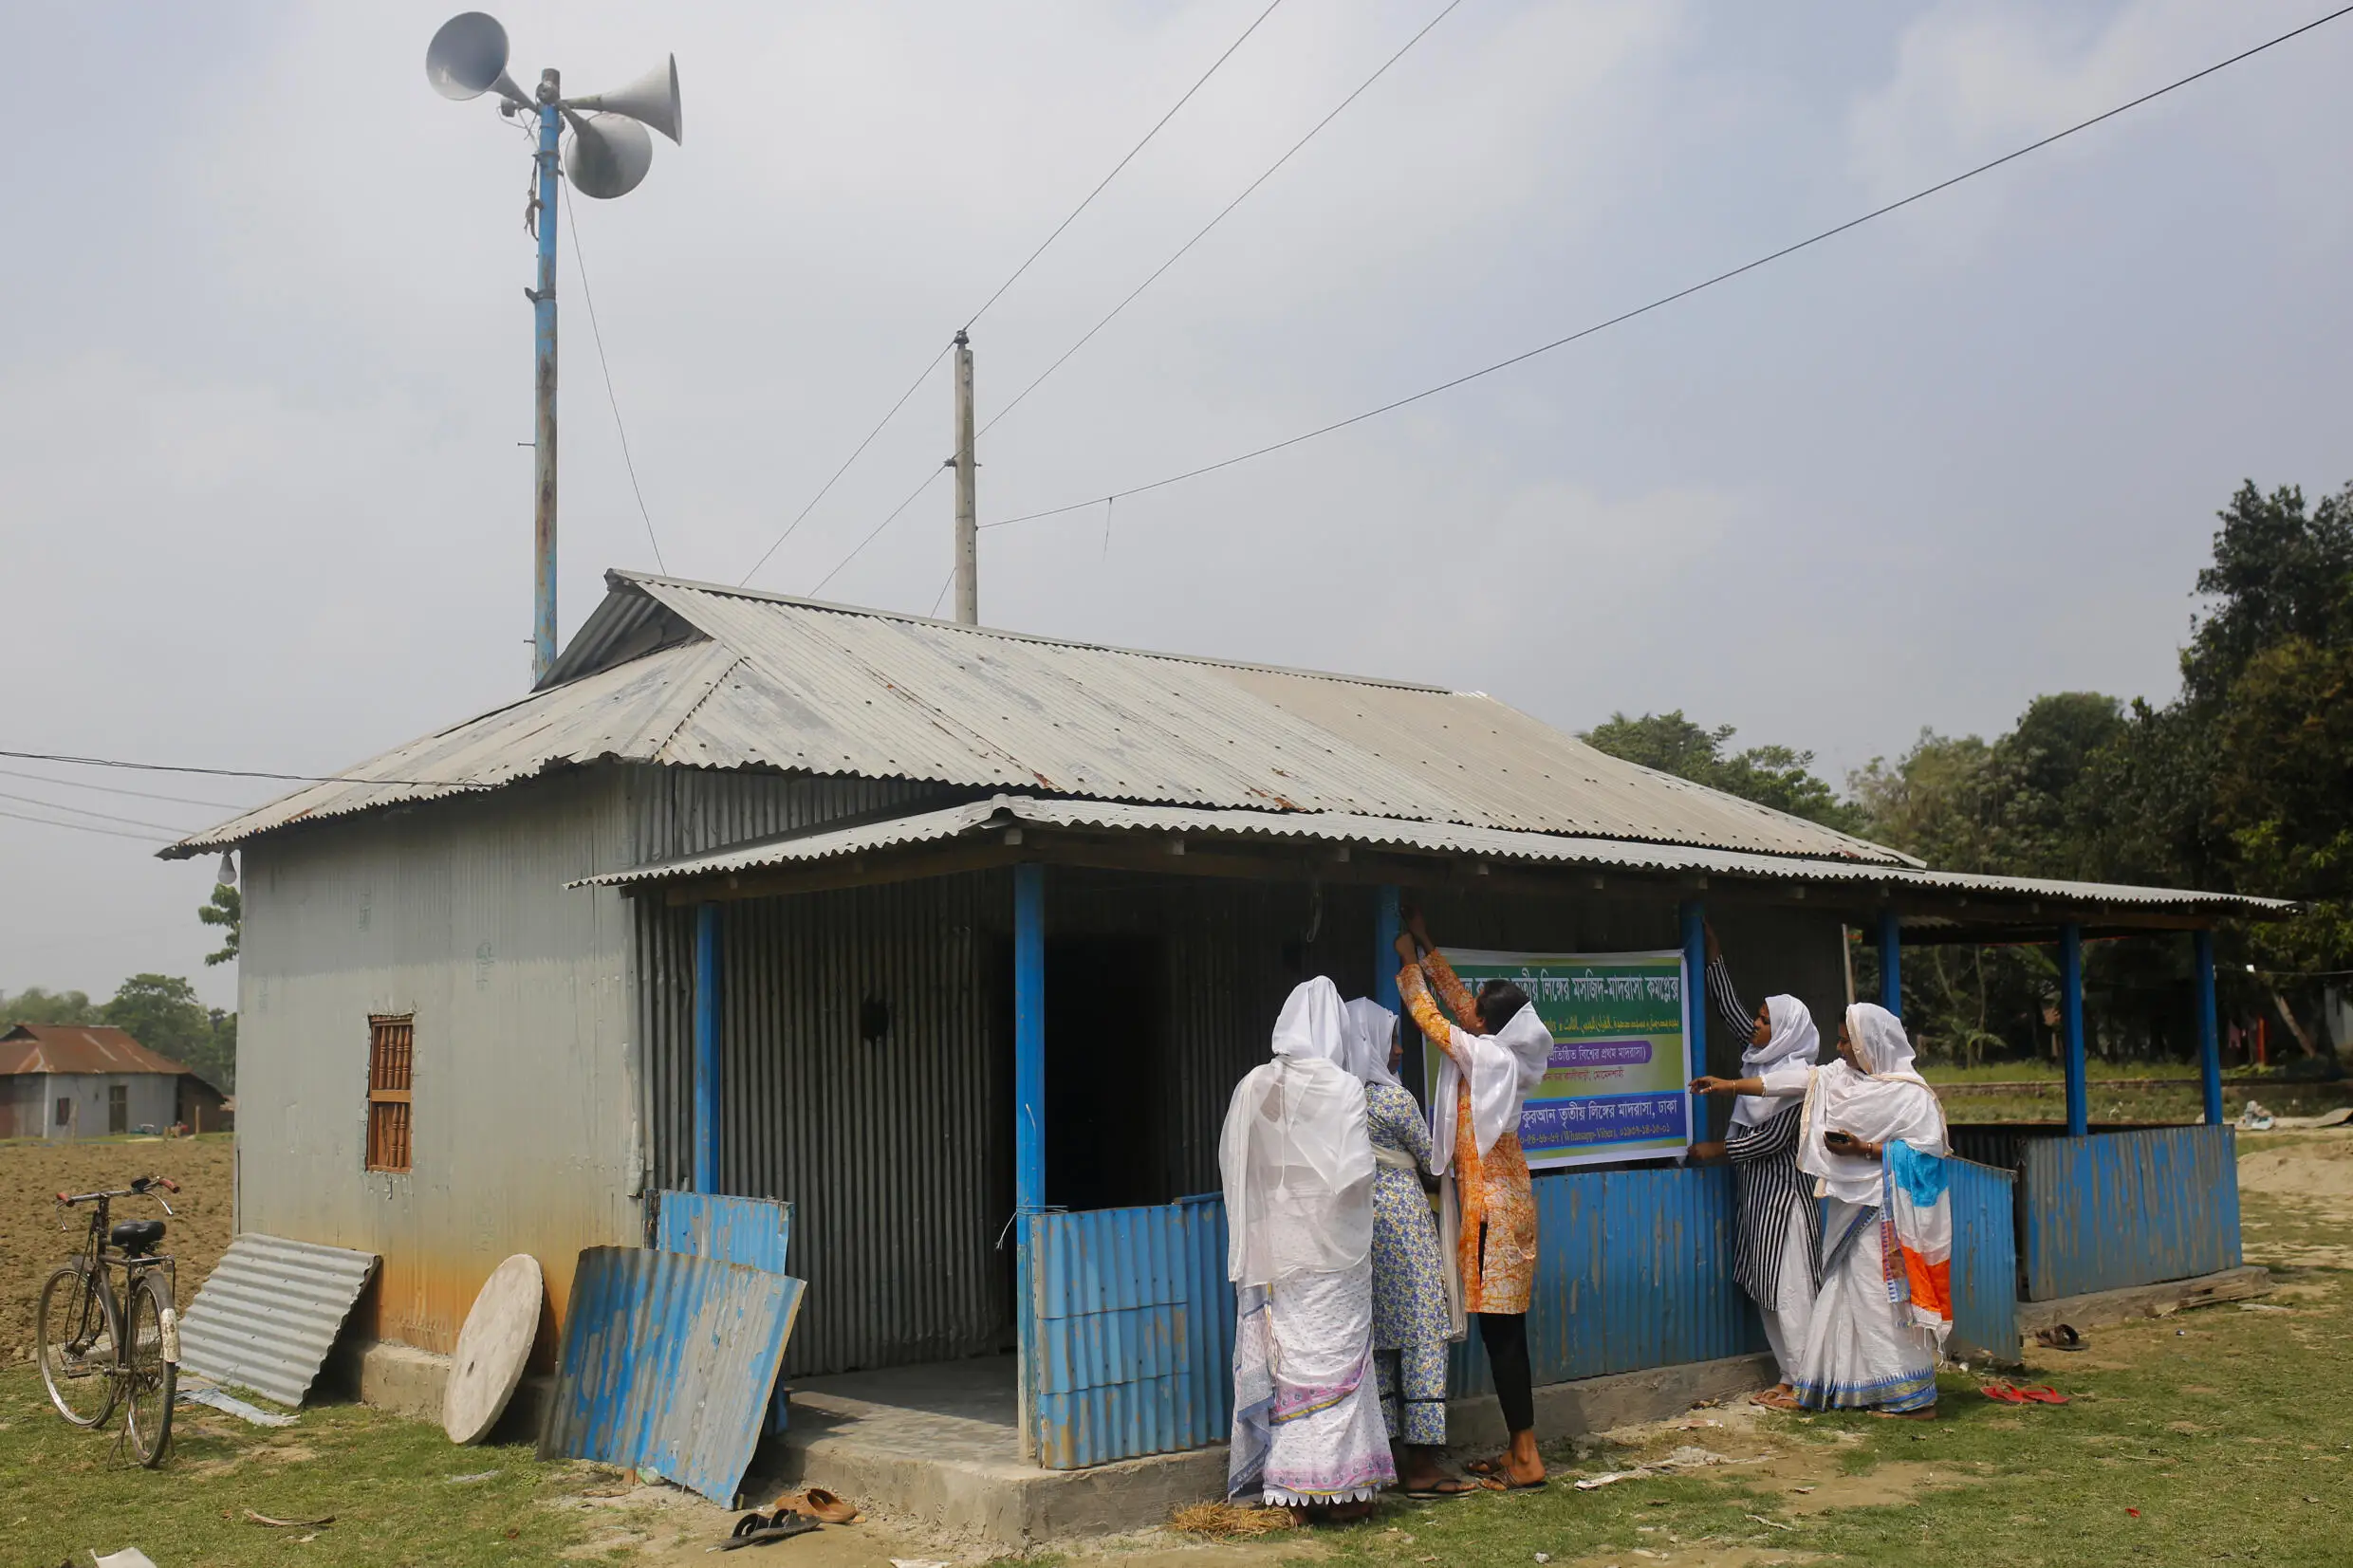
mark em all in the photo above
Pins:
pixel 100 1348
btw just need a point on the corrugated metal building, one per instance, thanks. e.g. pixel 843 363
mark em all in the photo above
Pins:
pixel 762 896
pixel 83 1081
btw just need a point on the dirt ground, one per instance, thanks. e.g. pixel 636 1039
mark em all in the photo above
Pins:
pixel 33 1234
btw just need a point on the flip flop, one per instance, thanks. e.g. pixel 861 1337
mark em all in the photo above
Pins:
pixel 2059 1336
pixel 820 1504
pixel 1448 1486
pixel 2044 1395
pixel 1773 1400
pixel 2003 1394
pixel 756 1529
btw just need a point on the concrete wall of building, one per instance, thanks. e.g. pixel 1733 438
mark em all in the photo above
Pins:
pixel 523 1135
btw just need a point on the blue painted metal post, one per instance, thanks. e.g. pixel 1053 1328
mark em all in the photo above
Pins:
pixel 2071 1026
pixel 1696 988
pixel 543 384
pixel 1891 963
pixel 1388 923
pixel 2209 1031
pixel 1029 1120
pixel 706 1047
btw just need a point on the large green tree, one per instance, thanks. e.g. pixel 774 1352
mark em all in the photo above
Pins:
pixel 1776 776
pixel 34 1005
pixel 162 1012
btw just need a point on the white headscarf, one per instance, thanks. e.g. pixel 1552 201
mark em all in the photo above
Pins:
pixel 1506 1067
pixel 1794 1041
pixel 1372 1030
pixel 1297 1161
pixel 1879 1100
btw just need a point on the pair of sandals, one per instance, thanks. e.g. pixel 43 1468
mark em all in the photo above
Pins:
pixel 1484 1475
pixel 794 1515
pixel 2010 1394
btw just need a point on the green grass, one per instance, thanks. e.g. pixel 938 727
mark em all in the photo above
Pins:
pixel 64 1490
pixel 2230 1431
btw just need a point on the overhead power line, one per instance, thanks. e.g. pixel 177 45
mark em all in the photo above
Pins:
pixel 882 423
pixel 99 815
pixel 86 827
pixel 596 334
pixel 1684 293
pixel 72 761
pixel 117 789
pixel 1154 276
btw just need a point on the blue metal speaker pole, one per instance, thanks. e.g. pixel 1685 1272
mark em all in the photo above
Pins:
pixel 1694 915
pixel 2209 1031
pixel 2071 1023
pixel 1891 963
pixel 706 1047
pixel 1029 1122
pixel 544 386
pixel 1388 923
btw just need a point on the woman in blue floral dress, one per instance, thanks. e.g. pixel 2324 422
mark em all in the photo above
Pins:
pixel 1412 1320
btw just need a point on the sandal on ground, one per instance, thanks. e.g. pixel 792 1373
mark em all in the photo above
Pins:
pixel 2044 1395
pixel 1927 1414
pixel 758 1529
pixel 2059 1336
pixel 1447 1485
pixel 820 1504
pixel 2001 1394
pixel 1773 1399
pixel 1495 1476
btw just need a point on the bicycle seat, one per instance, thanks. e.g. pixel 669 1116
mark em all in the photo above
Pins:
pixel 136 1236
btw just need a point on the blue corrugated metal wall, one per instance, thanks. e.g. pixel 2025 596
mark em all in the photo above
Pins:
pixel 1634 1268
pixel 2115 1209
pixel 1985 1263
pixel 668 1361
pixel 756 1232
pixel 1134 1332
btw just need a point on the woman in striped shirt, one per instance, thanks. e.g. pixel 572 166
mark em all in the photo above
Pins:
pixel 1777 1235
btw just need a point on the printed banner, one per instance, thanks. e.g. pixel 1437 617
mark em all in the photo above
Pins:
pixel 1618 1086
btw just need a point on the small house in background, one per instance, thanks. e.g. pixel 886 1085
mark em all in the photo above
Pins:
pixel 82 1080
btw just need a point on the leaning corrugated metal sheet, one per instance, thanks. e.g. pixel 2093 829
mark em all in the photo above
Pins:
pixel 2129 1208
pixel 668 1361
pixel 269 1314
pixel 699 675
pixel 1386 833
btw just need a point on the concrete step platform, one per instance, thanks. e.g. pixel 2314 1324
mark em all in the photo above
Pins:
pixel 937 1447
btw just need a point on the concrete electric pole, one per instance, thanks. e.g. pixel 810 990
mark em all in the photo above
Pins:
pixel 967 505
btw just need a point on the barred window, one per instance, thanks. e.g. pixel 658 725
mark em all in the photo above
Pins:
pixel 392 1055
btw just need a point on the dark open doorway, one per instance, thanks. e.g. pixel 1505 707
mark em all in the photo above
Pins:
pixel 1105 1007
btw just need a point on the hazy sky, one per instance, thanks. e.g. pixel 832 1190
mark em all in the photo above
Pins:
pixel 267 361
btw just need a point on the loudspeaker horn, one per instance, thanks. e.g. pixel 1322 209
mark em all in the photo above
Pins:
pixel 610 155
pixel 468 58
pixel 652 98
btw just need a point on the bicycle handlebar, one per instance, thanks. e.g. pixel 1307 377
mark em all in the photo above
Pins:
pixel 141 1188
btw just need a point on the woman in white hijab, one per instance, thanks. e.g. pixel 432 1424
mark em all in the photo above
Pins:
pixel 1298 1167
pixel 1875 1135
pixel 1411 1312
pixel 1777 1225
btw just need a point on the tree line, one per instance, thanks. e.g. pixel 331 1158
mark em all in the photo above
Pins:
pixel 2242 782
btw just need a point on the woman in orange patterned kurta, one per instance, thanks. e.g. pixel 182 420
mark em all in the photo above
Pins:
pixel 1496 1249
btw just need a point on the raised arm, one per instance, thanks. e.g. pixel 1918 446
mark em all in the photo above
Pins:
pixel 1728 1010
pixel 1413 991
pixel 1452 992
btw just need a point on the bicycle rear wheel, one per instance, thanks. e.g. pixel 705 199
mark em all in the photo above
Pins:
pixel 150 1380
pixel 79 1330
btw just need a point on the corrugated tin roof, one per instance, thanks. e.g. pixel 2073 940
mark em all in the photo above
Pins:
pixel 77 1048
pixel 1495 844
pixel 270 1312
pixel 698 674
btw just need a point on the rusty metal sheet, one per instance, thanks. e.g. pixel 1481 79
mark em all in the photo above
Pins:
pixel 1135 1323
pixel 78 1048
pixel 1985 1263
pixel 667 1365
pixel 2115 1209
pixel 756 1232
pixel 270 1313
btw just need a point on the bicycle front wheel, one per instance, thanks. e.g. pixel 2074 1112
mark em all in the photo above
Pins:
pixel 79 1329
pixel 150 1380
